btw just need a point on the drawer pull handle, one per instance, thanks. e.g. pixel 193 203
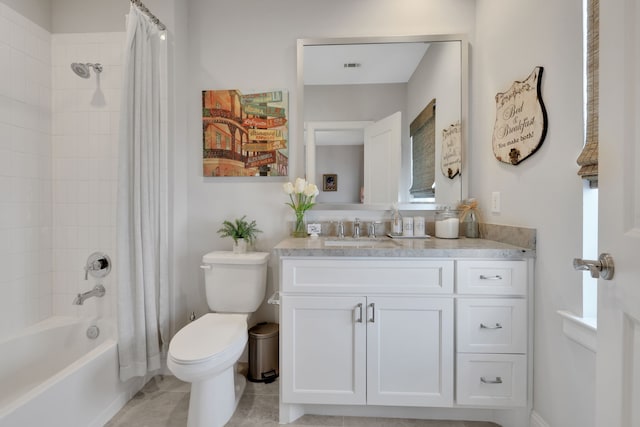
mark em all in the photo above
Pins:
pixel 498 380
pixel 496 277
pixel 497 326
pixel 373 313
pixel 358 308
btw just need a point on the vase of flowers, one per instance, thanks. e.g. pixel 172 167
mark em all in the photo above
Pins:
pixel 302 195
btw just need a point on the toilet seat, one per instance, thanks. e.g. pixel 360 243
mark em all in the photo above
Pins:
pixel 212 336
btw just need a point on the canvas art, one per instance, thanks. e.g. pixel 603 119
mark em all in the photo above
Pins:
pixel 245 134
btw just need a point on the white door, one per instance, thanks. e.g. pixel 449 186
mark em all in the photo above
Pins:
pixel 618 354
pixel 382 146
pixel 409 351
pixel 323 355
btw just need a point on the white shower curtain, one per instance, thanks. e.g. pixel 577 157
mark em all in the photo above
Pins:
pixel 142 219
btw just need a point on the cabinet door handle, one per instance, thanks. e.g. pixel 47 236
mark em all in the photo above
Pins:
pixel 497 326
pixel 357 311
pixel 372 319
pixel 496 277
pixel 498 380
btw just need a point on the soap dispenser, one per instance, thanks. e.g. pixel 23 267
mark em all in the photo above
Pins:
pixel 396 221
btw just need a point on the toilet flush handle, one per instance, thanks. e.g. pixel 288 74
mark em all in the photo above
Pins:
pixel 205 267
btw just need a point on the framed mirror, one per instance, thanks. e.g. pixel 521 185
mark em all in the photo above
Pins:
pixel 349 85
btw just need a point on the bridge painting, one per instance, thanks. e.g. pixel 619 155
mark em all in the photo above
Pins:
pixel 245 135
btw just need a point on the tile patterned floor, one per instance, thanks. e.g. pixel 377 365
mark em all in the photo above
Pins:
pixel 164 402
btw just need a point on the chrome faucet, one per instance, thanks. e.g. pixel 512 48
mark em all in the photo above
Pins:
pixel 356 228
pixel 340 230
pixel 372 230
pixel 97 291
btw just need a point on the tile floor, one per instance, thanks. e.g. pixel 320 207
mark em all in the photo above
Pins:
pixel 164 401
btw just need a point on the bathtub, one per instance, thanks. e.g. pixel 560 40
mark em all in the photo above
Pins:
pixel 54 375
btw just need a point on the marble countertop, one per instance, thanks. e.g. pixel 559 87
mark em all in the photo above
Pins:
pixel 430 247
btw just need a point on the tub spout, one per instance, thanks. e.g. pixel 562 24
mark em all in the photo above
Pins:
pixel 97 291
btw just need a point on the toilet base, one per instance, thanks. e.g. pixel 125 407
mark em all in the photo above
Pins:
pixel 212 402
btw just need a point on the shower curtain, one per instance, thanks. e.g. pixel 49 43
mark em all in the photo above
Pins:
pixel 142 218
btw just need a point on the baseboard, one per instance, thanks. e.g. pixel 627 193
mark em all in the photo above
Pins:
pixel 537 420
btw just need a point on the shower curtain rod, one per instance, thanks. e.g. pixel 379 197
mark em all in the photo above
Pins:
pixel 147 12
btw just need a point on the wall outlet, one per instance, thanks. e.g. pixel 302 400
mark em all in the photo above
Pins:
pixel 495 202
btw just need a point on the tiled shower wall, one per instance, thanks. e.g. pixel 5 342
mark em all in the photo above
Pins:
pixel 84 172
pixel 25 173
pixel 58 167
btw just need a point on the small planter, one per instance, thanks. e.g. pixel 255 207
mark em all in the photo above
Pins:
pixel 242 232
pixel 240 246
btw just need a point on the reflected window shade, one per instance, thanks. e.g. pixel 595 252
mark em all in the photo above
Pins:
pixel 588 159
pixel 423 148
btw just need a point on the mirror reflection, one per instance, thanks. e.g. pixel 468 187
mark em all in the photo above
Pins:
pixel 353 92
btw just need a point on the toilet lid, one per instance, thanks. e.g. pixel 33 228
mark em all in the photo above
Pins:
pixel 208 336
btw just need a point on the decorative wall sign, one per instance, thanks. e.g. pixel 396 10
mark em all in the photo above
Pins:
pixel 451 152
pixel 245 135
pixel 521 120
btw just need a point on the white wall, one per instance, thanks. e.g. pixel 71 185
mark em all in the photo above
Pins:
pixel 86 113
pixel 543 192
pixel 25 173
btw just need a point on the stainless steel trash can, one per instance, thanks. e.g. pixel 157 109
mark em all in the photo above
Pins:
pixel 263 352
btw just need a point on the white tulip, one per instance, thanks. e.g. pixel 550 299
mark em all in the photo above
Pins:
pixel 300 185
pixel 288 188
pixel 311 190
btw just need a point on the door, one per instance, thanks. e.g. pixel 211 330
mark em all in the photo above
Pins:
pixel 323 355
pixel 618 355
pixel 382 146
pixel 409 351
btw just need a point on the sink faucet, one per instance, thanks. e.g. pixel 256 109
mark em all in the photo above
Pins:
pixel 340 230
pixel 372 230
pixel 356 228
pixel 97 291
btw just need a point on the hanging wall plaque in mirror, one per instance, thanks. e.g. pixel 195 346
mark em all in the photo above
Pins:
pixel 348 85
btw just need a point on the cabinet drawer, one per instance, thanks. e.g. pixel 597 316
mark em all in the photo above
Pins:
pixel 491 380
pixel 492 277
pixel 491 325
pixel 337 275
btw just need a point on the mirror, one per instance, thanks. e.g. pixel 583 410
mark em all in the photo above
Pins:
pixel 348 85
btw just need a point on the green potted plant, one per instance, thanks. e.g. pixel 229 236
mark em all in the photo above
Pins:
pixel 241 231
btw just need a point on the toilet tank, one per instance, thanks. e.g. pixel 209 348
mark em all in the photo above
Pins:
pixel 235 283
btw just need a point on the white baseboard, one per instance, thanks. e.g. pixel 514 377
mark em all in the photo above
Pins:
pixel 537 420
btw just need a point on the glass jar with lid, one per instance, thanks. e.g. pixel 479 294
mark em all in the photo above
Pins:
pixel 447 223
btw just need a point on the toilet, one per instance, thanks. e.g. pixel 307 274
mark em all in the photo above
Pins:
pixel 204 353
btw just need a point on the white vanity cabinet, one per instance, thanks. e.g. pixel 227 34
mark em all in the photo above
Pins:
pixel 433 337
pixel 491 330
pixel 374 337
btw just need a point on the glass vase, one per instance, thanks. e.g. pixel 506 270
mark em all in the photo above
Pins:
pixel 300 226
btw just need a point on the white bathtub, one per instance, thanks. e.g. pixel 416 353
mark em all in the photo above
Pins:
pixel 54 375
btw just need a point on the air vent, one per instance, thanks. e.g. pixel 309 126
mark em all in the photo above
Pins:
pixel 352 65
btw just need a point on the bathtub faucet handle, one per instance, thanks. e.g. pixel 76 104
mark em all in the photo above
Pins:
pixel 98 264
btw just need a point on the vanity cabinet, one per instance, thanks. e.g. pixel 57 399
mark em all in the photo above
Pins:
pixel 491 330
pixel 436 334
pixel 373 338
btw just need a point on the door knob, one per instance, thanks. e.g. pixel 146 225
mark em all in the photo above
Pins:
pixel 602 268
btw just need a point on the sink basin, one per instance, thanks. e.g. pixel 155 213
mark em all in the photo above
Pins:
pixel 361 242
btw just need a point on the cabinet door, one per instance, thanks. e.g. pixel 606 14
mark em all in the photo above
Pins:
pixel 409 351
pixel 323 355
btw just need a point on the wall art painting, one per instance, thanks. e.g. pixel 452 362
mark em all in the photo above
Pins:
pixel 245 134
pixel 521 120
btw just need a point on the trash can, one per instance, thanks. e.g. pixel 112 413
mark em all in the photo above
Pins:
pixel 263 352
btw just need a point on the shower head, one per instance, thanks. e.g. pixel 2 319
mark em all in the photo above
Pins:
pixel 83 69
